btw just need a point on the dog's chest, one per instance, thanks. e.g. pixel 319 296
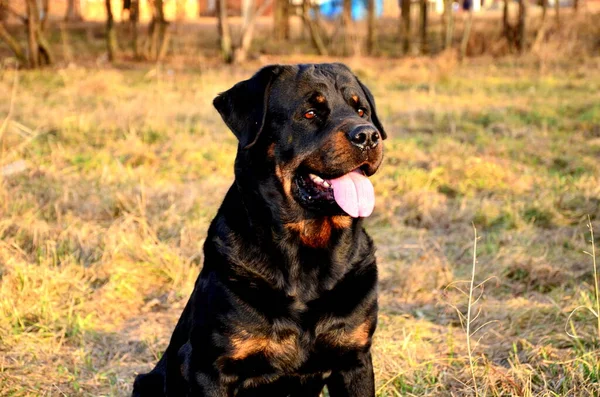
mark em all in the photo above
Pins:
pixel 284 348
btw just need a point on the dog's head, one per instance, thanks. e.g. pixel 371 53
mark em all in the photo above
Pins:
pixel 314 128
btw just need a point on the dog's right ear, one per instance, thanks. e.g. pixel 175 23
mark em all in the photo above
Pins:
pixel 243 107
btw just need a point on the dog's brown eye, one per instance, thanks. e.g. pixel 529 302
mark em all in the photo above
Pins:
pixel 310 114
pixel 361 112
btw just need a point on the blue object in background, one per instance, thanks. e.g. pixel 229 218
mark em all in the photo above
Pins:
pixel 330 9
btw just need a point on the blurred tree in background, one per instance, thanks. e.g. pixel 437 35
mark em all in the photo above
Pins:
pixel 73 13
pixel 244 29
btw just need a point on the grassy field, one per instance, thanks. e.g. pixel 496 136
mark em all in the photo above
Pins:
pixel 101 233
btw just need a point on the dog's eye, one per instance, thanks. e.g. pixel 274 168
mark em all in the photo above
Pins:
pixel 361 112
pixel 310 114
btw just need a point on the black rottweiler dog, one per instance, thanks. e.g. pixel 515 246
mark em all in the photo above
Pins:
pixel 286 302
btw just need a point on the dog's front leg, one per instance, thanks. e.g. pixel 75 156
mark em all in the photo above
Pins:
pixel 356 382
pixel 208 386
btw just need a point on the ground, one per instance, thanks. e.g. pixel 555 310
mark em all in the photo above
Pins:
pixel 110 177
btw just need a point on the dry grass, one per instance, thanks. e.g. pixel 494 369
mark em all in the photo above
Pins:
pixel 101 235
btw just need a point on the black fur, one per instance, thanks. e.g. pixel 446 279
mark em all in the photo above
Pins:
pixel 286 301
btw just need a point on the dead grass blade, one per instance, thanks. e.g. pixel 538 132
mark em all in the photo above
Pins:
pixel 468 330
pixel 11 106
pixel 596 312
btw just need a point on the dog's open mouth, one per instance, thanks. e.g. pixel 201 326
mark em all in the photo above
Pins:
pixel 352 192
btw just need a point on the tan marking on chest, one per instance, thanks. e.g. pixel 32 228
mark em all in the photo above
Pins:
pixel 244 344
pixel 316 233
pixel 341 221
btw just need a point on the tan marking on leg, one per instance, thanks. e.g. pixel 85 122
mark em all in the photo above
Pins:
pixel 358 337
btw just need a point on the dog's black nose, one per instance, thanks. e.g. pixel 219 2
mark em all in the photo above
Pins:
pixel 364 137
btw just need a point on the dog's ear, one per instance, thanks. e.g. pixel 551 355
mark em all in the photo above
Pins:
pixel 243 107
pixel 373 111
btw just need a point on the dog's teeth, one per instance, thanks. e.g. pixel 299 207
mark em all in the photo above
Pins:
pixel 312 176
pixel 319 180
pixel 326 184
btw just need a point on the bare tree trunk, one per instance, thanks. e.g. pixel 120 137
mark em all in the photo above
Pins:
pixel 544 10
pixel 240 54
pixel 281 22
pixel 557 11
pixel 12 44
pixel 505 24
pixel 134 17
pixel 34 52
pixel 38 46
pixel 315 34
pixel 424 27
pixel 3 10
pixel 163 38
pixel 111 36
pixel 405 25
pixel 346 26
pixel 521 25
pixel 43 48
pixel 277 18
pixel 466 34
pixel 371 33
pixel 224 31
pixel 73 13
pixel 150 39
pixel 286 19
pixel 45 14
pixel 449 24
pixel 247 6
pixel 158 39
pixel 542 30
pixel 575 6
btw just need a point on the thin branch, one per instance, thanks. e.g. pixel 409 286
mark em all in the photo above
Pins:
pixel 483 325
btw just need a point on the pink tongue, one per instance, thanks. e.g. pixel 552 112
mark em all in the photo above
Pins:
pixel 354 194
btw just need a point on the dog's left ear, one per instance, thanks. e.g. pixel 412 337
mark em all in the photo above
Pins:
pixel 243 107
pixel 373 111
